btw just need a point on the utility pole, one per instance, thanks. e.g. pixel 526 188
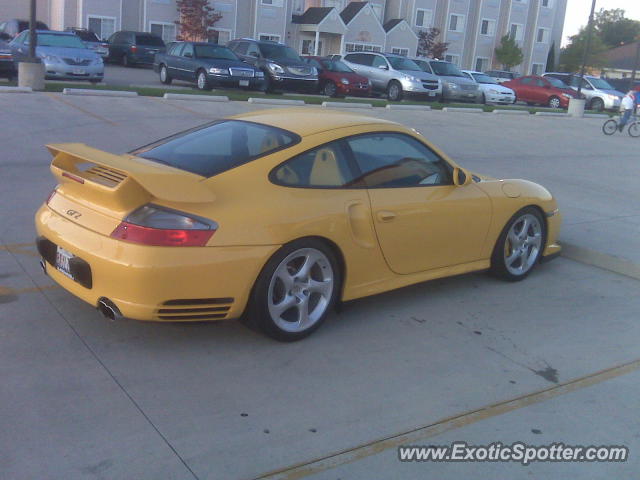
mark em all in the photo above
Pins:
pixel 635 64
pixel 31 69
pixel 587 46
pixel 33 38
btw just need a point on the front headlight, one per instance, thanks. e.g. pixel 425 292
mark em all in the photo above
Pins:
pixel 97 61
pixel 452 86
pixel 566 95
pixel 219 71
pixel 344 81
pixel 259 74
pixel 275 68
pixel 495 92
pixel 411 78
pixel 51 59
pixel 314 71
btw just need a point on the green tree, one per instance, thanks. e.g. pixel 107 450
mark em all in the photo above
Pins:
pixel 614 29
pixel 196 17
pixel 551 58
pixel 571 55
pixel 508 53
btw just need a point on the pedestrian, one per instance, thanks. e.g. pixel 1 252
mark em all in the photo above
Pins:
pixel 627 106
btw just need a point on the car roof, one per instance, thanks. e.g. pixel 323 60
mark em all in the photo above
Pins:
pixel 309 121
pixel 56 32
pixel 473 71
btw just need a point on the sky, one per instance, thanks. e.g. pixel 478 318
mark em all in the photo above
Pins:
pixel 578 13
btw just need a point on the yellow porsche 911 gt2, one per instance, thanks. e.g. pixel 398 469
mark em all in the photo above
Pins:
pixel 274 216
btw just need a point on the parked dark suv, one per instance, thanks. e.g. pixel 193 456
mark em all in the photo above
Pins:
pixel 133 48
pixel 282 66
pixel 11 28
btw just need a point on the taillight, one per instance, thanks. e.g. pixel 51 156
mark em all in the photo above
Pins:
pixel 160 226
pixel 134 48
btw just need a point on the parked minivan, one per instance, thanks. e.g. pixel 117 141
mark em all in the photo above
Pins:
pixel 456 86
pixel 599 93
pixel 394 75
pixel 132 48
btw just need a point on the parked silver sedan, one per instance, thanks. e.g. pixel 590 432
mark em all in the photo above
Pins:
pixel 492 91
pixel 456 86
pixel 64 55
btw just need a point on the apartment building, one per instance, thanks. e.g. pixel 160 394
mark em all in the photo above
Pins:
pixel 472 28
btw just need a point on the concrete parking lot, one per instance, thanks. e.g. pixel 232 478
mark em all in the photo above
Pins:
pixel 551 359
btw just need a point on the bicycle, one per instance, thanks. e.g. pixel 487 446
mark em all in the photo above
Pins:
pixel 611 126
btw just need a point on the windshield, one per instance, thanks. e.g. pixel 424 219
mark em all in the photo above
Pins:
pixel 600 83
pixel 278 52
pixel 214 51
pixel 217 147
pixel 335 66
pixel 424 66
pixel 54 40
pixel 446 69
pixel 483 78
pixel 150 40
pixel 401 63
pixel 87 36
pixel 556 82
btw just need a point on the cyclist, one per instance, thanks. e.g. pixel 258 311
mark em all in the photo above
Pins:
pixel 627 106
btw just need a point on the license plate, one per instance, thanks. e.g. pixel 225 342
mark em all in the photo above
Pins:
pixel 432 94
pixel 244 83
pixel 63 258
pixel 79 71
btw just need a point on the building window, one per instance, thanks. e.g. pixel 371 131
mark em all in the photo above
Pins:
pixel 516 31
pixel 309 47
pixel 547 3
pixel 166 31
pixel 456 23
pixel 537 69
pixel 400 51
pixel 362 47
pixel 103 27
pixel 482 64
pixel 269 37
pixel 272 3
pixel 455 59
pixel 424 18
pixel 543 35
pixel 221 37
pixel 488 27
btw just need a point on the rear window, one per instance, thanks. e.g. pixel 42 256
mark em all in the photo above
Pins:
pixel 218 147
pixel 151 40
pixel 87 36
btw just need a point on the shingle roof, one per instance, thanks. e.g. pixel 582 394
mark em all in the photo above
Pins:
pixel 621 57
pixel 392 23
pixel 351 11
pixel 312 16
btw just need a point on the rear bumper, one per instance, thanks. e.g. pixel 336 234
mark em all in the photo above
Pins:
pixel 8 69
pixel 155 283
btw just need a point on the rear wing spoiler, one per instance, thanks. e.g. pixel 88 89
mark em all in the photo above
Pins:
pixel 122 181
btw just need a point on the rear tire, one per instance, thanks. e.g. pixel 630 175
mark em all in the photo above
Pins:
pixel 519 246
pixel 609 127
pixel 125 61
pixel 295 291
pixel 165 78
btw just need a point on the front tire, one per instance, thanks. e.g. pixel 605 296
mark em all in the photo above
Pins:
pixel 295 291
pixel 597 104
pixel 202 81
pixel 165 78
pixel 634 129
pixel 519 246
pixel 330 89
pixel 394 91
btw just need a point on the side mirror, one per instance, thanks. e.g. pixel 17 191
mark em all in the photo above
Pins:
pixel 461 177
pixel 254 54
pixel 188 55
pixel 383 67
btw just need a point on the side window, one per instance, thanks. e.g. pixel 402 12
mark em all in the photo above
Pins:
pixel 253 50
pixel 379 61
pixel 526 81
pixel 187 51
pixel 391 160
pixel 241 48
pixel 22 38
pixel 325 166
pixel 540 82
pixel 175 49
pixel 359 58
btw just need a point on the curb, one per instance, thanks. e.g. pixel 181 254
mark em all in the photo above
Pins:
pixel 275 101
pixel 98 93
pixel 618 265
pixel 346 105
pixel 463 110
pixel 198 98
pixel 596 115
pixel 552 114
pixel 408 107
pixel 511 112
pixel 16 90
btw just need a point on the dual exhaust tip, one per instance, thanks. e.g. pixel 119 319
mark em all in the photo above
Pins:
pixel 108 309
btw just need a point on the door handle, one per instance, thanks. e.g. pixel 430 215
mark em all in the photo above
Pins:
pixel 386 215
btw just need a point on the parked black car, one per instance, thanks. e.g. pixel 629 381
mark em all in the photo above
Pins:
pixel 91 40
pixel 134 48
pixel 208 65
pixel 282 66
pixel 11 28
pixel 7 65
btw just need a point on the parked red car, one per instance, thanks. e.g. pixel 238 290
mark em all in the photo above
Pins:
pixel 547 91
pixel 335 78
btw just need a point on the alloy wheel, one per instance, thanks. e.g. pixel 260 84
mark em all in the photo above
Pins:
pixel 522 245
